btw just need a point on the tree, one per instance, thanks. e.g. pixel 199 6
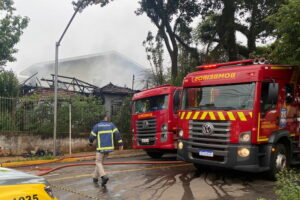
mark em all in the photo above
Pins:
pixel 224 18
pixel 252 23
pixel 9 85
pixel 154 50
pixel 221 25
pixel 123 121
pixel 11 29
pixel 286 48
pixel 171 17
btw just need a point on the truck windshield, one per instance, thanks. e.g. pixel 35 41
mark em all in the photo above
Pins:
pixel 150 104
pixel 219 97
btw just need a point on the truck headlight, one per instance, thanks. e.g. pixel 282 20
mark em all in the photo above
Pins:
pixel 164 127
pixel 243 152
pixel 180 145
pixel 245 137
pixel 180 134
pixel 164 137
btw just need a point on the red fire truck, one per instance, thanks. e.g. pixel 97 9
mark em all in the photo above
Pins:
pixel 243 115
pixel 154 119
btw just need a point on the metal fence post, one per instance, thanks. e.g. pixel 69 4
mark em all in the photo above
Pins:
pixel 70 129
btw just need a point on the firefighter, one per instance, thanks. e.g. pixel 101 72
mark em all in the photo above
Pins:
pixel 104 132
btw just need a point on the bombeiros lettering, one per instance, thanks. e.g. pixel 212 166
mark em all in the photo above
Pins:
pixel 214 77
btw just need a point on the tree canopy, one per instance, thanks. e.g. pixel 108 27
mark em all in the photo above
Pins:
pixel 173 20
pixel 9 85
pixel 286 49
pixel 215 39
pixel 223 19
pixel 11 29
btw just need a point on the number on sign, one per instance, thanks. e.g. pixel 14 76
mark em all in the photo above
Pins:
pixel 29 197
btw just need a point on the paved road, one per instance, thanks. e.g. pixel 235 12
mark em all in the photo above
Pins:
pixel 150 182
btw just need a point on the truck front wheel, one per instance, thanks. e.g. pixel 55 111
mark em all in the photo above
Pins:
pixel 155 153
pixel 279 161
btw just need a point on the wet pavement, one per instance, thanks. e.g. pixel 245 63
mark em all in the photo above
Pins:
pixel 161 181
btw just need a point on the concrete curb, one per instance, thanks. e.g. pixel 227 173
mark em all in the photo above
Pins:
pixel 115 154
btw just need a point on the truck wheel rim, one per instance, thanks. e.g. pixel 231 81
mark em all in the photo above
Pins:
pixel 281 161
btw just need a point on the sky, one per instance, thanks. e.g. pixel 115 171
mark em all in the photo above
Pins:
pixel 95 30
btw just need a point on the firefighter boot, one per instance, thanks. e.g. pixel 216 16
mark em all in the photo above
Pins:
pixel 95 180
pixel 104 180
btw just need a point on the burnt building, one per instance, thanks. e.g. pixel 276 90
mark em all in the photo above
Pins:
pixel 96 69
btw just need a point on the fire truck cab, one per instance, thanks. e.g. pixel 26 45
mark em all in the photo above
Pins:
pixel 154 119
pixel 241 115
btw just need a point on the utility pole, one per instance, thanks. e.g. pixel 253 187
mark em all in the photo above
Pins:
pixel 57 44
pixel 70 128
pixel 132 82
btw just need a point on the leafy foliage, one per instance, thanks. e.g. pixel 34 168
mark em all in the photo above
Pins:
pixel 154 50
pixel 81 4
pixel 11 29
pixel 287 30
pixel 288 185
pixel 223 19
pixel 35 114
pixel 9 84
pixel 173 20
pixel 123 121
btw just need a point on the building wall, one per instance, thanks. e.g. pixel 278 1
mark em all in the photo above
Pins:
pixel 110 100
pixel 19 143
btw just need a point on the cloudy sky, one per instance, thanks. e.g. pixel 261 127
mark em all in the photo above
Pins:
pixel 95 30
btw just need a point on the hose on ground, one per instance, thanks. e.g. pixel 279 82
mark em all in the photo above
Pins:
pixel 110 163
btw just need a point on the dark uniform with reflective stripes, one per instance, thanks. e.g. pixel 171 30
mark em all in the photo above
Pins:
pixel 105 133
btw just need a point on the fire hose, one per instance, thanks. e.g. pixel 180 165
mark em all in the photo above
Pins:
pixel 47 170
pixel 109 163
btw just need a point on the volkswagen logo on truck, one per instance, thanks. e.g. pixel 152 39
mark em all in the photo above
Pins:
pixel 145 124
pixel 207 129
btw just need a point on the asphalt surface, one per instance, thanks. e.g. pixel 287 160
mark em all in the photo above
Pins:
pixel 160 181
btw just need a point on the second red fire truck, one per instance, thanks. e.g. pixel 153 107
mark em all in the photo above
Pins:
pixel 154 119
pixel 241 115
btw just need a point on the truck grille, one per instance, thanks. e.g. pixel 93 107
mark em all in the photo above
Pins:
pixel 217 142
pixel 146 131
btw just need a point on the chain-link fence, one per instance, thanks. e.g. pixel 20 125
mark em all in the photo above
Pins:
pixel 35 115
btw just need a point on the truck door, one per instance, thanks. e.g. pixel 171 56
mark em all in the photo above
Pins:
pixel 291 106
pixel 298 111
pixel 269 118
pixel 176 101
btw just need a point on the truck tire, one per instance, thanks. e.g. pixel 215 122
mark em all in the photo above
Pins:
pixel 279 161
pixel 198 166
pixel 155 154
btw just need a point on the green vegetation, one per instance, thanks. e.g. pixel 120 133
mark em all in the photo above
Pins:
pixel 287 185
pixel 196 32
pixel 35 114
pixel 286 49
pixel 123 121
pixel 11 29
pixel 46 157
pixel 9 84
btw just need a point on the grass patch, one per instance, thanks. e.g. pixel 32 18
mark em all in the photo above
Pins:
pixel 47 157
pixel 287 186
